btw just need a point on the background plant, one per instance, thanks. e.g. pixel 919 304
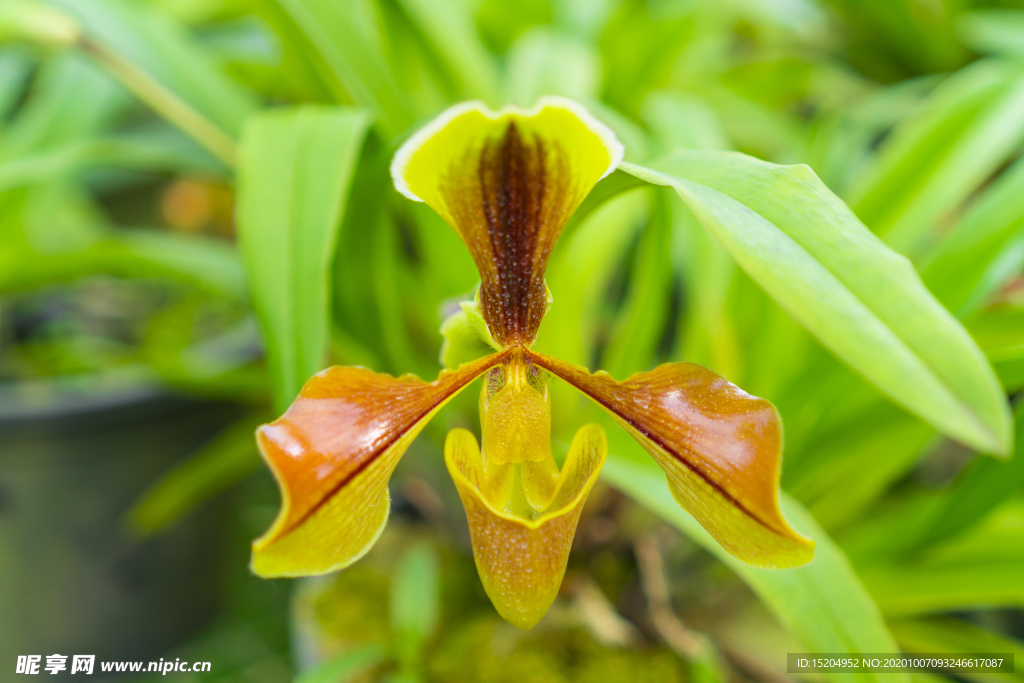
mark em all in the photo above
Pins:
pixel 139 137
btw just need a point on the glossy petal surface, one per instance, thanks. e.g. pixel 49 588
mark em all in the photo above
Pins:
pixel 507 181
pixel 521 551
pixel 720 449
pixel 332 454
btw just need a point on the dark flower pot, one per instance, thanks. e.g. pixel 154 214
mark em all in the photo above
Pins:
pixel 71 580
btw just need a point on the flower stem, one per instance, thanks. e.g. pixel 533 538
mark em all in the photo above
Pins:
pixel 164 101
pixel 652 575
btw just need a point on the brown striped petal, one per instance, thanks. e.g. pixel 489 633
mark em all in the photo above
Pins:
pixel 507 181
pixel 720 448
pixel 332 454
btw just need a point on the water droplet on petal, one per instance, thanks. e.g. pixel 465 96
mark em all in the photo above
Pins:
pixel 642 398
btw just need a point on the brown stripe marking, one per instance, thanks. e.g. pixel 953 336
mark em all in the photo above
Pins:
pixel 546 363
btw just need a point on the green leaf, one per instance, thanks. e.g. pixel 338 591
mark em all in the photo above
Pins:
pixel 844 139
pixel 547 62
pixel 639 325
pixel 143 153
pixel 934 160
pixel 15 71
pixel 229 457
pixel 999 331
pixel 982 488
pixel 1009 367
pixel 975 570
pixel 591 254
pixel 679 120
pixel 385 271
pixel 907 590
pixel 344 667
pixel 984 249
pixel 999 327
pixel 449 27
pixel 607 188
pixel 51 233
pixel 355 65
pixel 415 603
pixel 823 603
pixel 163 49
pixel 415 592
pixel 35 22
pixel 202 260
pixel 70 99
pixel 943 634
pixel 861 300
pixel 707 334
pixel 849 469
pixel 995 31
pixel 293 181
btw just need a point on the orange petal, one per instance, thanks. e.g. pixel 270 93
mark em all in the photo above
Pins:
pixel 720 447
pixel 521 552
pixel 508 181
pixel 332 454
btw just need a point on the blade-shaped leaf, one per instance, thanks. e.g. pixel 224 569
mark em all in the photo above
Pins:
pixel 145 153
pixel 639 325
pixel 849 469
pixel 984 249
pixel 933 588
pixel 996 31
pixel 225 460
pixel 589 255
pixel 166 51
pixel 962 134
pixel 205 261
pixel 415 592
pixel 353 62
pixel 823 602
pixel 166 67
pixel 863 301
pixel 15 69
pixel 979 569
pixel 448 25
pixel 296 167
pixel 983 487
pixel 50 233
pixel 1009 366
pixel 71 99
pixel 547 62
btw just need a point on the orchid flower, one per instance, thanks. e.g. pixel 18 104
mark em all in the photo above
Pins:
pixel 507 182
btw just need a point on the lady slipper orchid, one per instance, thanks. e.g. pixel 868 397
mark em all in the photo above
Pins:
pixel 507 182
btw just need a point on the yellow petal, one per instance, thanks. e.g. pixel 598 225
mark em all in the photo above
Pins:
pixel 720 447
pixel 507 181
pixel 515 413
pixel 332 454
pixel 520 552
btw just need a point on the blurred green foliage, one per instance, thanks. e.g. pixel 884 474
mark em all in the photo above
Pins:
pixel 129 128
